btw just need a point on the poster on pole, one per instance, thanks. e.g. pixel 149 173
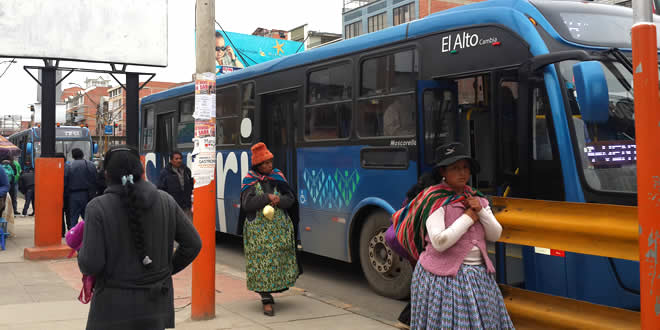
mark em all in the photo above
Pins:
pixel 203 167
pixel 204 96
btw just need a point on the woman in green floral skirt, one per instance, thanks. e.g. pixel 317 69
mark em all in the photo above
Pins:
pixel 269 234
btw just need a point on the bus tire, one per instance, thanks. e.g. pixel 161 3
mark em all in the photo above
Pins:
pixel 387 273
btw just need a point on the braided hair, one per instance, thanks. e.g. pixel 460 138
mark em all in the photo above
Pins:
pixel 122 166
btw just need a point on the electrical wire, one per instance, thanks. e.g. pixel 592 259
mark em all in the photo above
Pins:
pixel 233 46
pixel 7 68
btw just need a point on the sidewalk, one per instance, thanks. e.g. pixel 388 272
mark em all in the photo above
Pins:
pixel 43 295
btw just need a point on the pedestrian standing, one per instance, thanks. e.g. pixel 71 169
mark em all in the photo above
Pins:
pixel 128 246
pixel 26 186
pixel 453 284
pixel 79 186
pixel 4 189
pixel 14 189
pixel 269 235
pixel 11 171
pixel 176 179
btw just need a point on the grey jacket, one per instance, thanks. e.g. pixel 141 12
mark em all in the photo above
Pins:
pixel 126 294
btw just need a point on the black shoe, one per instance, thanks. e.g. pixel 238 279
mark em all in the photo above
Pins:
pixel 270 311
pixel 31 214
pixel 17 213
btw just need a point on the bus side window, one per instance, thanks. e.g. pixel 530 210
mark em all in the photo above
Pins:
pixel 186 126
pixel 325 119
pixel 247 114
pixel 227 116
pixel 148 129
pixel 542 149
pixel 387 106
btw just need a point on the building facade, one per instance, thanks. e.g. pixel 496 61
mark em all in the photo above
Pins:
pixel 365 16
pixel 116 113
pixel 312 39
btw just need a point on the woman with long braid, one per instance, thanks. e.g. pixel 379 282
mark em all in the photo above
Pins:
pixel 128 246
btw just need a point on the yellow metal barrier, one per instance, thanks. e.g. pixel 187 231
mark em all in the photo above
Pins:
pixel 597 229
pixel 533 310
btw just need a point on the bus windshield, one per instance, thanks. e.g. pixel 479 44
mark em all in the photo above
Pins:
pixel 591 24
pixel 65 147
pixel 607 150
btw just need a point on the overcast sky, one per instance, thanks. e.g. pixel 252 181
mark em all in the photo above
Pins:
pixel 18 90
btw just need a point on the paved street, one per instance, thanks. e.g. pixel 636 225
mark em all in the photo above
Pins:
pixel 326 277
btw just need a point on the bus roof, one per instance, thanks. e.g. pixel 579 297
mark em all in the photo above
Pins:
pixel 510 13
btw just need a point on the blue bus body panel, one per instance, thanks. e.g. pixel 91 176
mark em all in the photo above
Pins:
pixel 332 187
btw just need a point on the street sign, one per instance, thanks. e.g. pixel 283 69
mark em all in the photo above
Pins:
pixel 108 130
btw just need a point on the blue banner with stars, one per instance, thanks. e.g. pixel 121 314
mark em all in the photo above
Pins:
pixel 237 50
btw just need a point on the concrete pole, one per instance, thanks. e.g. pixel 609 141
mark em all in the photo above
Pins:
pixel 204 212
pixel 647 132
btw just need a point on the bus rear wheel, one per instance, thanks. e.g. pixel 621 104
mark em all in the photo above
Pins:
pixel 387 273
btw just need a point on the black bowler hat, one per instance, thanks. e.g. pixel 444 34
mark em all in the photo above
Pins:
pixel 450 153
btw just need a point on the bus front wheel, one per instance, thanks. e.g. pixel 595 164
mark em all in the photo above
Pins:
pixel 387 273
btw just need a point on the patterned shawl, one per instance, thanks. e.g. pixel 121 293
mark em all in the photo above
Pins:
pixel 410 222
pixel 253 177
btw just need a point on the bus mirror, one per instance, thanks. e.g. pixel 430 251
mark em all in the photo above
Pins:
pixel 592 94
pixel 96 148
pixel 28 148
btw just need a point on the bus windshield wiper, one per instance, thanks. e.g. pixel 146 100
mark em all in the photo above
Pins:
pixel 621 58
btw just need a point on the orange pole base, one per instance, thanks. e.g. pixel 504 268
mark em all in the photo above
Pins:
pixel 647 132
pixel 48 204
pixel 203 268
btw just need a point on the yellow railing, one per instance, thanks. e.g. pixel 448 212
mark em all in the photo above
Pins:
pixel 596 229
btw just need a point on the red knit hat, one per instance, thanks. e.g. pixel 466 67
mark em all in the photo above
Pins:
pixel 260 154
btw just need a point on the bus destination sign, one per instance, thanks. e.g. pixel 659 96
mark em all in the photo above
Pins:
pixel 603 154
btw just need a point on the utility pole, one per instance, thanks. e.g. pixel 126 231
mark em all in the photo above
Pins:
pixel 647 120
pixel 203 167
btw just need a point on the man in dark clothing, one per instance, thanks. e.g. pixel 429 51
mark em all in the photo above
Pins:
pixel 79 185
pixel 176 179
pixel 26 186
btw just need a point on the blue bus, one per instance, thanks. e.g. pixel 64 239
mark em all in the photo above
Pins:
pixel 353 124
pixel 66 139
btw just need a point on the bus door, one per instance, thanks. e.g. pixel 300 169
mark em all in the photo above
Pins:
pixel 435 99
pixel 278 131
pixel 165 128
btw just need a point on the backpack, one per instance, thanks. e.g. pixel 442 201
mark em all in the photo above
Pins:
pixel 9 170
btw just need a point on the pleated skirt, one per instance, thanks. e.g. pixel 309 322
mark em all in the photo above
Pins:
pixel 469 300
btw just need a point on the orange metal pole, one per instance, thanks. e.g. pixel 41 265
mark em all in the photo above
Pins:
pixel 647 126
pixel 48 203
pixel 203 271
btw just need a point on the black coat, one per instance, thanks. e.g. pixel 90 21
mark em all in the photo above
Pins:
pixel 26 181
pixel 126 294
pixel 169 181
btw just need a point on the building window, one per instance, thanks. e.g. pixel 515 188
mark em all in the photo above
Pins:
pixel 404 14
pixel 376 22
pixel 353 30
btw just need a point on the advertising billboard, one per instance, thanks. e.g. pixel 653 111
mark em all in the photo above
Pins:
pixel 235 51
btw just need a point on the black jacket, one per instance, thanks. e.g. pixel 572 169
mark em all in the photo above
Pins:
pixel 127 295
pixel 26 181
pixel 169 181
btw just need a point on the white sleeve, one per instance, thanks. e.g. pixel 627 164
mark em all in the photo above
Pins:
pixel 442 238
pixel 492 228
